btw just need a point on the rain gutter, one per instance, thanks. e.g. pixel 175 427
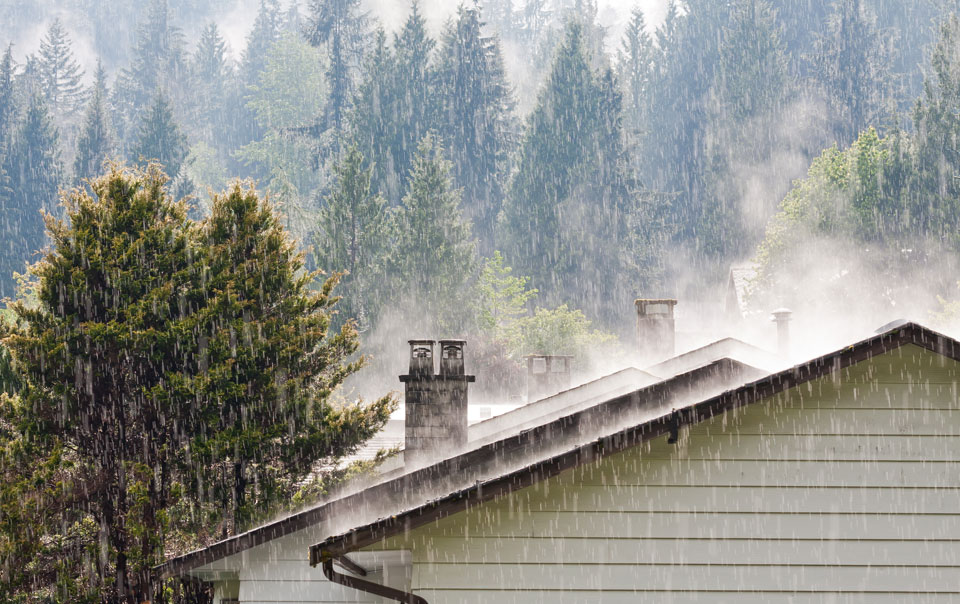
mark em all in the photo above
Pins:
pixel 363 585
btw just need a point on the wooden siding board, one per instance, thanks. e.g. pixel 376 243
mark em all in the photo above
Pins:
pixel 854 495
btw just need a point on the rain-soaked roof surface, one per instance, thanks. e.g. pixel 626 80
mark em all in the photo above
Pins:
pixel 495 468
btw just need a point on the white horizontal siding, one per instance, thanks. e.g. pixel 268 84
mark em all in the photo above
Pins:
pixel 843 490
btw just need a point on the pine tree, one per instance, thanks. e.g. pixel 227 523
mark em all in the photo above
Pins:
pixel 435 255
pixel 341 27
pixel 159 138
pixel 353 238
pixel 476 119
pixel 95 143
pixel 61 76
pixel 34 172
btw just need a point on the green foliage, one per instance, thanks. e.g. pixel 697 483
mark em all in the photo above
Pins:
pixel 434 255
pixel 184 379
pixel 61 76
pixel 560 331
pixel 501 300
pixel 564 220
pixel 288 97
pixel 354 238
pixel 34 170
pixel 475 117
pixel 160 139
pixel 95 143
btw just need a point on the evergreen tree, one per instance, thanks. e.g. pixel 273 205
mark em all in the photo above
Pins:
pixel 34 172
pixel 353 238
pixel 564 214
pixel 157 65
pixel 476 119
pixel 265 328
pixel 95 143
pixel 852 67
pixel 7 96
pixel 372 120
pixel 341 27
pixel 61 76
pixel 434 255
pixel 265 32
pixel 635 64
pixel 414 82
pixel 160 139
pixel 211 74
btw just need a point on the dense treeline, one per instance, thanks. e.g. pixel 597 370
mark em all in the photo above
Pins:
pixel 598 167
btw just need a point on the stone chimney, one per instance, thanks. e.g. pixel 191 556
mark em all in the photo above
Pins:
pixel 781 317
pixel 435 404
pixel 547 375
pixel 655 328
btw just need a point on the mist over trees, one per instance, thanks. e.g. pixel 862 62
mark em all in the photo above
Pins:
pixel 513 172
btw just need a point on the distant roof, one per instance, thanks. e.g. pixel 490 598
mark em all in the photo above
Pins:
pixel 726 348
pixel 739 288
pixel 614 442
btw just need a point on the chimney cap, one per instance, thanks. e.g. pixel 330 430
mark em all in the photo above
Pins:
pixel 646 301
pixel 421 341
pixel 781 314
pixel 452 341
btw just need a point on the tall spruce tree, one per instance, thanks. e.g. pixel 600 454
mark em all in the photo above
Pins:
pixel 414 88
pixel 7 98
pixel 265 32
pixel 61 75
pixel 635 64
pixel 34 171
pixel 353 238
pixel 95 143
pixel 851 62
pixel 157 64
pixel 160 139
pixel 340 26
pixel 211 74
pixel 434 255
pixel 371 120
pixel 476 120
pixel 565 207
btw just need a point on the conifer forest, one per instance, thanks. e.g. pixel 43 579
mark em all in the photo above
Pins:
pixel 222 220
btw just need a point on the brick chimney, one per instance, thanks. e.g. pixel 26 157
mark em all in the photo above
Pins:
pixel 547 375
pixel 655 328
pixel 435 404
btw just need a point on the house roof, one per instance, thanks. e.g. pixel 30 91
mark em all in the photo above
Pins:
pixel 486 459
pixel 625 438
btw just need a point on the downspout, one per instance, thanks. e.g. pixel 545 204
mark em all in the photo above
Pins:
pixel 368 586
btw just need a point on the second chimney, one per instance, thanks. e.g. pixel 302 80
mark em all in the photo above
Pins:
pixel 655 328
pixel 547 375
pixel 435 403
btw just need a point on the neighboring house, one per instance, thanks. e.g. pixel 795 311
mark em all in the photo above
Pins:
pixel 836 480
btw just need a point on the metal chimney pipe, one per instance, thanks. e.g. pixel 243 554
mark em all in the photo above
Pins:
pixel 782 317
